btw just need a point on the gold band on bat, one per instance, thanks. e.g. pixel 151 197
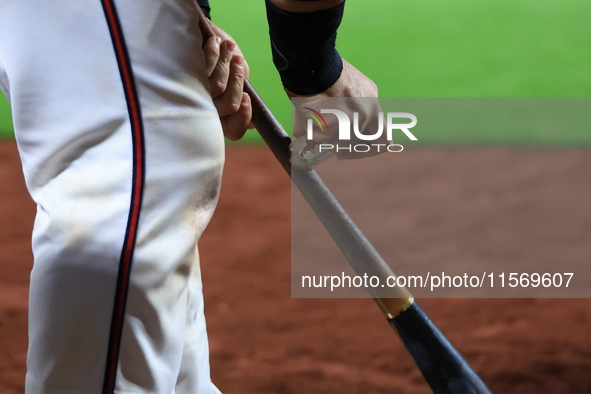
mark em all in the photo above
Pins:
pixel 392 307
pixel 396 300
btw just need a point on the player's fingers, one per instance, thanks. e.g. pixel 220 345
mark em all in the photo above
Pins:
pixel 212 53
pixel 225 36
pixel 230 101
pixel 236 124
pixel 221 72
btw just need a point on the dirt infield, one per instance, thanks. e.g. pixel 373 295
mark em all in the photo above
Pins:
pixel 262 341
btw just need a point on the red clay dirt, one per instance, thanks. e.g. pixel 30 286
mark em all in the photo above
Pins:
pixel 263 341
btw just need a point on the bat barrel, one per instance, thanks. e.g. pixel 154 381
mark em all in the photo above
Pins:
pixel 443 367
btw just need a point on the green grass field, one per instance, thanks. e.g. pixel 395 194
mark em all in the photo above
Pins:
pixel 429 48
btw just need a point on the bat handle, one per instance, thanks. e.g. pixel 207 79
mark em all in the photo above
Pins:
pixel 268 126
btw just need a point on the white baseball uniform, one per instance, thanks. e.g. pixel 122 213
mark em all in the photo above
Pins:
pixel 122 150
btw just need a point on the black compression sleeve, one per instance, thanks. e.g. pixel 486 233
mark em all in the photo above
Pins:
pixel 204 4
pixel 303 46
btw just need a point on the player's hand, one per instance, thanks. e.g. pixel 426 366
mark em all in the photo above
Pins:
pixel 226 68
pixel 351 83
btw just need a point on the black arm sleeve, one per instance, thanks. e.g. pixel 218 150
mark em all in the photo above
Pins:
pixel 303 46
pixel 204 4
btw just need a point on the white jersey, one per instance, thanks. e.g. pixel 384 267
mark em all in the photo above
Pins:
pixel 122 151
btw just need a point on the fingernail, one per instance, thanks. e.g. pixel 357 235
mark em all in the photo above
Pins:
pixel 218 40
pixel 238 61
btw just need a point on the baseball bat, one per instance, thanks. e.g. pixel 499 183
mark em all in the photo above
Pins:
pixel 443 367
